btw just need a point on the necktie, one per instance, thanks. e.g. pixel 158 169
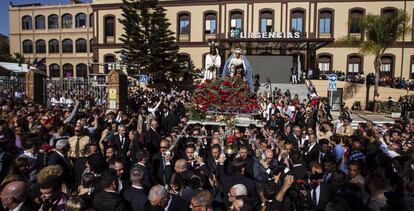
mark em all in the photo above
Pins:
pixel 77 148
pixel 320 158
pixel 314 196
pixel 122 142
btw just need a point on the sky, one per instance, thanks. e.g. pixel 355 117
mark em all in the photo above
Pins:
pixel 4 10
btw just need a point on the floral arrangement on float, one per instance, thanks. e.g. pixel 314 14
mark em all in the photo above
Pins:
pixel 224 97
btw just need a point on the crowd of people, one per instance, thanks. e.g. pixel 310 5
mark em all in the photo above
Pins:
pixel 147 157
pixel 386 80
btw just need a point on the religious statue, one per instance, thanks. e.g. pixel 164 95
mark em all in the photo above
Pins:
pixel 237 65
pixel 213 63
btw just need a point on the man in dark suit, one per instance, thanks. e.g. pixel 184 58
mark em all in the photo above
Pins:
pixel 320 192
pixel 142 162
pixel 310 149
pixel 274 121
pixel 57 157
pixel 136 195
pixel 161 164
pixel 295 136
pixel 121 141
pixel 159 198
pixel 14 196
pixel 213 161
pixel 236 176
pixel 179 108
pixel 168 120
pixel 324 151
pixel 108 198
pixel 118 166
pixel 298 169
pixel 248 161
pixel 152 138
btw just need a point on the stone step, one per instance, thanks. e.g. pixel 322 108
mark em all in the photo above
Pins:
pixel 300 89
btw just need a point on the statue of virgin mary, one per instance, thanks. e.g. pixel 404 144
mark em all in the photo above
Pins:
pixel 237 65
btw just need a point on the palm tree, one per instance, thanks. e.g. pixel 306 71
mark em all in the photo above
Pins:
pixel 382 32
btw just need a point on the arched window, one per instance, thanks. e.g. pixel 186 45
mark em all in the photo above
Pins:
pixel 184 23
pixel 40 46
pixel 354 25
pixel 40 22
pixel 81 45
pixel 67 46
pixel 54 46
pixel 80 20
pixel 68 70
pixel 67 21
pixel 81 70
pixel 109 61
pixel 90 45
pixel 387 66
pixel 325 22
pixel 53 22
pixel 236 23
pixel 389 11
pixel 109 28
pixel 210 23
pixel 354 64
pixel 297 23
pixel 54 71
pixel 266 21
pixel 26 22
pixel 325 63
pixel 91 20
pixel 27 46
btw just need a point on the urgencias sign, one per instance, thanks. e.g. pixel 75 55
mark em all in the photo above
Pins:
pixel 265 35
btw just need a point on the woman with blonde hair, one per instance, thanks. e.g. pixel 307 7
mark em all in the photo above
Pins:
pixel 75 204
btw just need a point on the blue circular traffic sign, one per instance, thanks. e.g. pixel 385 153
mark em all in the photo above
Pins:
pixel 332 77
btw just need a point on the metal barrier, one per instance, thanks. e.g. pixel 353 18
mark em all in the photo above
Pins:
pixel 93 92
pixel 12 88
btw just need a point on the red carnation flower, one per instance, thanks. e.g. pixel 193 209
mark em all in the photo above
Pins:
pixel 46 148
pixel 226 83
pixel 230 139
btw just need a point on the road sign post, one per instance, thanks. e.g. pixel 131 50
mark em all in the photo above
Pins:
pixel 142 79
pixel 332 78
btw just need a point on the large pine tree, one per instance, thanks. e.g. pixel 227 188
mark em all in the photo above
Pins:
pixel 148 40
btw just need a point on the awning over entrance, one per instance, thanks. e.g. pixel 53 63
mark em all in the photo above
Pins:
pixel 265 44
pixel 275 58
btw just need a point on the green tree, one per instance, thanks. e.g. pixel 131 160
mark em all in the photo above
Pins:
pixel 382 32
pixel 163 48
pixel 5 51
pixel 5 55
pixel 149 42
pixel 134 43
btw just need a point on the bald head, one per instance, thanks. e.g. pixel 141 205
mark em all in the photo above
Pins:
pixel 180 165
pixel 13 194
pixel 157 194
pixel 215 141
pixel 202 200
pixel 269 154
